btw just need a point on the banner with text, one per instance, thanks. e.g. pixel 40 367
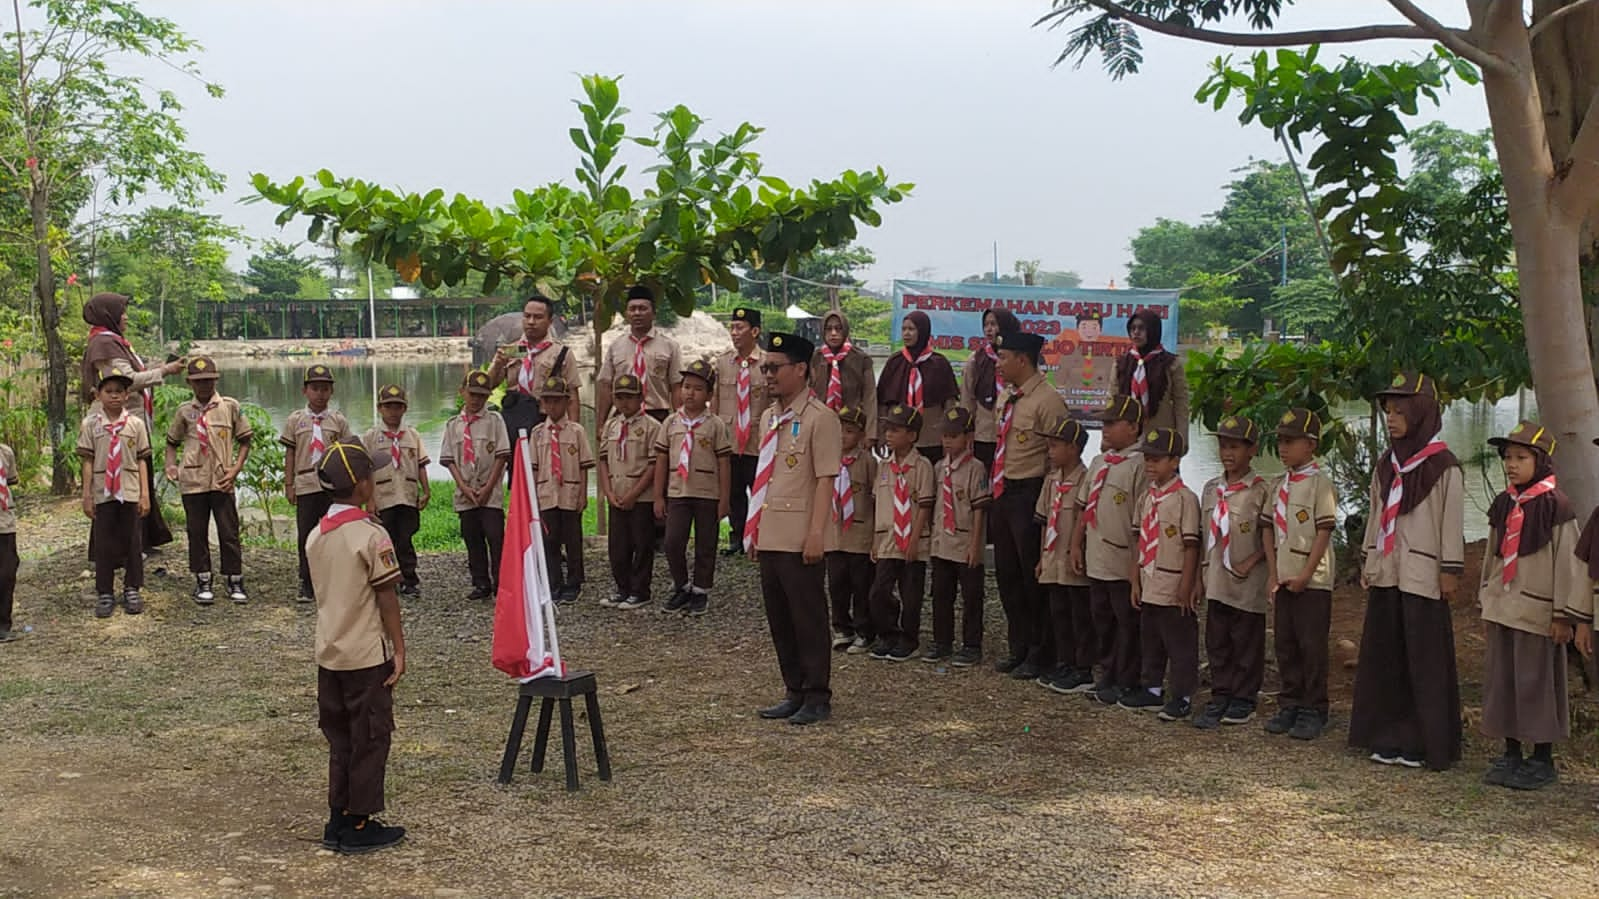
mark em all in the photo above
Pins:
pixel 1084 331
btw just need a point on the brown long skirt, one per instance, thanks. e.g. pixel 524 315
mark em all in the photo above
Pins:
pixel 1407 690
pixel 1524 687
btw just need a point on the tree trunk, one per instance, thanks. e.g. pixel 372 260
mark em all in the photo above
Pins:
pixel 62 476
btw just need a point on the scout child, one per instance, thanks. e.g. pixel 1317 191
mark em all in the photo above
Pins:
pixel 903 494
pixel 792 498
pixel 360 648
pixel 1299 564
pixel 1406 707
pixel 475 450
pixel 115 449
pixel 957 545
pixel 627 481
pixel 1070 614
pixel 213 435
pixel 400 490
pixel 1164 574
pixel 739 397
pixel 692 476
pixel 561 463
pixel 307 433
pixel 1102 551
pixel 1536 598
pixel 849 537
pixel 1232 576
pixel 8 542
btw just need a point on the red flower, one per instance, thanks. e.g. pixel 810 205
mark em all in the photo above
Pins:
pixel 72 280
pixel 33 162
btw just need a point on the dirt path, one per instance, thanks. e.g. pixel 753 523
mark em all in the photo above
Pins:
pixel 177 755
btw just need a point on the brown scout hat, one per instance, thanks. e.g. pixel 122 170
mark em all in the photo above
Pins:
pixel 904 416
pixel 1237 427
pixel 1066 429
pixel 554 385
pixel 959 421
pixel 1299 423
pixel 113 373
pixel 701 369
pixel 392 393
pixel 1121 408
pixel 319 372
pixel 203 368
pixel 627 385
pixel 346 463
pixel 1410 383
pixel 477 381
pixel 1164 442
pixel 850 415
pixel 1526 433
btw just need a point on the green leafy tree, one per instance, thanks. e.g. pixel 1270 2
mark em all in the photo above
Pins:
pixel 176 257
pixel 279 272
pixel 1208 301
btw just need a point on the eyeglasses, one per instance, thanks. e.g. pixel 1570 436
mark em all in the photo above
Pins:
pixel 770 368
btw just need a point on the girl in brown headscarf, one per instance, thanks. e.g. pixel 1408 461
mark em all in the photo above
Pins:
pixel 1407 695
pixel 981 385
pixel 919 377
pixel 1153 375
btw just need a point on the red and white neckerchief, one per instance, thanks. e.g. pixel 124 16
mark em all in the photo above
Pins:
pixel 902 504
pixel 1140 385
pixel 5 487
pixel 946 493
pixel 555 453
pixel 318 439
pixel 468 452
pixel 1388 533
pixel 394 446
pixel 685 449
pixel 144 394
pixel 526 381
pixel 996 478
pixel 340 515
pixel 1091 510
pixel 1063 490
pixel 640 370
pixel 913 380
pixel 993 357
pixel 621 441
pixel 1149 532
pixel 741 391
pixel 1279 512
pixel 202 431
pixel 1221 522
pixel 844 494
pixel 763 477
pixel 113 456
pixel 835 377
pixel 1510 543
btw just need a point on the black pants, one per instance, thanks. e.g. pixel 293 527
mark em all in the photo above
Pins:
pixel 984 451
pixel 738 505
pixel 308 510
pixel 402 522
pixel 898 619
pixel 1170 636
pixel 1407 689
pixel 1072 617
pixel 483 529
pixel 200 509
pixel 356 714
pixel 156 532
pixel 1116 631
pixel 1300 637
pixel 682 513
pixel 1235 643
pixel 947 576
pixel 849 587
pixel 563 544
pixel 933 453
pixel 116 541
pixel 8 578
pixel 796 614
pixel 631 541
pixel 1015 535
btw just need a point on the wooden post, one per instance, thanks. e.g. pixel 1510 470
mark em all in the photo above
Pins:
pixel 832 298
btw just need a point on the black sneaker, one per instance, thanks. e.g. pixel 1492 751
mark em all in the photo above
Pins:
pixel 1308 726
pixel 1532 774
pixel 698 603
pixel 678 603
pixel 1411 760
pixel 1007 664
pixel 1210 717
pixel 612 600
pixel 882 649
pixel 632 603
pixel 411 590
pixel 368 835
pixel 900 654
pixel 1283 721
pixel 569 594
pixel 1080 680
pixel 966 657
pixel 337 821
pixel 936 652
pixel 1109 694
pixel 132 602
pixel 104 605
pixel 1176 710
pixel 1500 770
pixel 1239 711
pixel 236 589
pixel 481 591
pixel 1025 671
pixel 1385 756
pixel 203 594
pixel 1140 700
pixel 8 636
pixel 308 595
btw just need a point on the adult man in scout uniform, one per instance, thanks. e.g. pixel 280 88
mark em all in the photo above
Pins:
pixel 739 400
pixel 799 459
pixel 645 353
pixel 533 358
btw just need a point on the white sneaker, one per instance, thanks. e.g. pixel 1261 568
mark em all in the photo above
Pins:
pixel 859 646
pixel 841 640
pixel 612 601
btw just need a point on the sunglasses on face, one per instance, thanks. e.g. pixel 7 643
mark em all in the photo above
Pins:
pixel 771 368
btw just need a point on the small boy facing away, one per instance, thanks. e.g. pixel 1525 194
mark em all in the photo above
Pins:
pixel 1163 573
pixel 400 489
pixel 360 648
pixel 307 433
pixel 903 494
pixel 561 463
pixel 8 542
pixel 1070 615
pixel 957 546
pixel 693 478
pixel 475 451
pixel 213 435
pixel 115 449
pixel 627 481
pixel 849 537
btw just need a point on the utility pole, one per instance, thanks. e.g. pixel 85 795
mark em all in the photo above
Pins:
pixel 996 262
pixel 1284 255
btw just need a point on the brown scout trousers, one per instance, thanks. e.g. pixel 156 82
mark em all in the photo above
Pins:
pixel 483 531
pixel 1300 637
pixel 1170 634
pixel 356 714
pixel 198 511
pixel 898 619
pixel 308 511
pixel 1116 632
pixel 1015 534
pixel 742 470
pixel 631 542
pixel 1076 644
pixel 849 588
pixel 947 575
pixel 563 541
pixel 116 540
pixel 402 522
pixel 681 513
pixel 8 578
pixel 796 613
pixel 1235 643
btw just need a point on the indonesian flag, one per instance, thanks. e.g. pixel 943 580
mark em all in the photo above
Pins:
pixel 523 608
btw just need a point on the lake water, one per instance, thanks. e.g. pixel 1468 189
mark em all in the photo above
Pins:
pixel 432 387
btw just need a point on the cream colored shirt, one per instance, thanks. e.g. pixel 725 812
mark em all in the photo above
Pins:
pixel 226 427
pixel 1312 506
pixel 923 492
pixel 1429 541
pixel 296 438
pixel 576 458
pixel 663 366
pixel 627 459
pixel 1178 520
pixel 397 485
pixel 1055 564
pixel 1108 553
pixel 8 515
pixel 1550 583
pixel 971 493
pixel 1246 538
pixel 857 538
pixel 807 449
pixel 348 564
pixel 489 441
pixel 712 443
pixel 94 444
pixel 724 402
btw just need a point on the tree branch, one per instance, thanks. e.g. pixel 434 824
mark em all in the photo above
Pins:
pixel 1578 190
pixel 1453 38
pixel 1555 16
pixel 1250 39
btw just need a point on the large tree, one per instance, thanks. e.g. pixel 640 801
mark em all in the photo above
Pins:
pixel 173 257
pixel 1542 92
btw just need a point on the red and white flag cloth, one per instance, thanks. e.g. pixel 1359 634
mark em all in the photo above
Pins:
pixel 996 479
pixel 640 370
pixel 1221 521
pixel 525 644
pixel 685 450
pixel 202 431
pixel 525 380
pixel 946 493
pixel 468 452
pixel 835 379
pixel 1388 531
pixel 319 443
pixel 394 447
pixel 1510 543
pixel 1149 532
pixel 902 505
pixel 1140 385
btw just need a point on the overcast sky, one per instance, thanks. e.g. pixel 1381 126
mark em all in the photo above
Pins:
pixel 1059 165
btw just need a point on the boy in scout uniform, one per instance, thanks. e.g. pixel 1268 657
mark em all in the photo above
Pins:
pixel 627 481
pixel 1164 573
pixel 475 451
pixel 360 648
pixel 400 489
pixel 1020 463
pixel 115 449
pixel 1070 615
pixel 1301 515
pixel 903 494
pixel 561 463
pixel 692 476
pixel 740 398
pixel 652 357
pixel 1232 577
pixel 961 480
pixel 213 435
pixel 1101 548
pixel 799 461
pixel 8 541
pixel 307 433
pixel 849 537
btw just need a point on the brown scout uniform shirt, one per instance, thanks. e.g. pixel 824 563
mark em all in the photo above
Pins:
pixel 807 450
pixel 348 564
pixel 1246 539
pixel 971 493
pixel 713 440
pixel 1179 528
pixel 576 458
pixel 985 419
pixel 1036 405
pixel 94 443
pixel 226 425
pixel 858 539
pixel 489 441
pixel 923 494
pixel 397 486
pixel 8 517
pixel 724 401
pixel 1312 506
pixel 663 366
pixel 296 437
pixel 627 460
pixel 1107 553
pixel 1550 583
pixel 1055 568
pixel 1428 541
pixel 543 367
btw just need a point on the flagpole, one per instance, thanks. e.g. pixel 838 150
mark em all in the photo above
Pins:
pixel 537 534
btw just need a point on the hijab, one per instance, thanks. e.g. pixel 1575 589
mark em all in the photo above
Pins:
pixel 105 311
pixel 983 368
pixel 1543 513
pixel 1157 368
pixel 938 378
pixel 1423 421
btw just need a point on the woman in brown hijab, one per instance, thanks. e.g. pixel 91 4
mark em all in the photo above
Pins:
pixel 841 373
pixel 108 349
pixel 1153 375
pixel 982 386
pixel 917 376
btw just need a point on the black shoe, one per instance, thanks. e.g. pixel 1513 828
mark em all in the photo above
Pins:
pixel 570 594
pixel 633 602
pixel 1025 671
pixel 203 594
pixel 104 605
pixel 1239 711
pixel 482 592
pixel 368 835
pixel 1077 680
pixel 1308 726
pixel 1500 770
pixel 337 821
pixel 132 602
pixel 785 709
pixel 411 590
pixel 967 657
pixel 306 594
pixel 698 604
pixel 1140 700
pixel 1532 774
pixel 236 589
pixel 733 551
pixel 1412 760
pixel 1109 694
pixel 841 641
pixel 936 652
pixel 678 603
pixel 882 649
pixel 1283 721
pixel 1176 710
pixel 8 636
pixel 1008 664
pixel 1211 717
pixel 900 654
pixel 811 714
